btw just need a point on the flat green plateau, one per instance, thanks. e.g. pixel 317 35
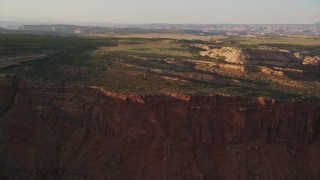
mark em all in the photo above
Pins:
pixel 149 65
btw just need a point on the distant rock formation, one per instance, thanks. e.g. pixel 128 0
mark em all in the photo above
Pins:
pixel 253 56
pixel 312 60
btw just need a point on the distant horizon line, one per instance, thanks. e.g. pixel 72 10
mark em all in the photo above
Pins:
pixel 147 23
pixel 52 21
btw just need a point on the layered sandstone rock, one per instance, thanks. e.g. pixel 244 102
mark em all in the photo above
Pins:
pixel 71 132
pixel 312 60
pixel 232 55
pixel 208 65
pixel 257 56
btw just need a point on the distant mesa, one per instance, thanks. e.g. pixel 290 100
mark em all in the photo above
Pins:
pixel 59 28
pixel 198 29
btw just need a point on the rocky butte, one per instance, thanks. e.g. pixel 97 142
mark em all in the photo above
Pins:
pixel 74 132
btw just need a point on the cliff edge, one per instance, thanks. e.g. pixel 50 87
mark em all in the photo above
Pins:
pixel 75 132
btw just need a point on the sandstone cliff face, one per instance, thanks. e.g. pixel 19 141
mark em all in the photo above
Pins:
pixel 314 60
pixel 232 55
pixel 241 56
pixel 62 132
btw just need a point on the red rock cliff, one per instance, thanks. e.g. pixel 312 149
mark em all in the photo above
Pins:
pixel 70 132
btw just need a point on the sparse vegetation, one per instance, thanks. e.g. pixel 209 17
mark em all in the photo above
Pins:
pixel 145 65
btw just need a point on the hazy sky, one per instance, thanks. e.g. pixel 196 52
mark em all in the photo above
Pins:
pixel 164 11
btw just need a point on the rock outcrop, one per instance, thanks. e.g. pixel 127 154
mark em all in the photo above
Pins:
pixel 232 55
pixel 73 132
pixel 312 60
pixel 256 56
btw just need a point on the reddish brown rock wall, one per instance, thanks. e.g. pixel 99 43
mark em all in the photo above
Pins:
pixel 62 132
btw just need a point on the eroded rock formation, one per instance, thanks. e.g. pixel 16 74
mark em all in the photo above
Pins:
pixel 71 132
pixel 314 60
pixel 257 56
